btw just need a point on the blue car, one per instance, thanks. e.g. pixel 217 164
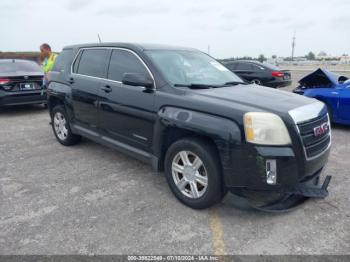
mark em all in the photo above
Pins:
pixel 332 89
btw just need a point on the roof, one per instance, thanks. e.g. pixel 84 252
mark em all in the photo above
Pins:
pixel 137 46
pixel 247 61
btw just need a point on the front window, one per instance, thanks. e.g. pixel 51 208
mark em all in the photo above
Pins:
pixel 191 68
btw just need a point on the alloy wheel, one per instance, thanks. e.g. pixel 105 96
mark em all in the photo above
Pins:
pixel 60 125
pixel 189 174
pixel 256 81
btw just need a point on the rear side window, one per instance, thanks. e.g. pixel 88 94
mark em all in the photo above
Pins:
pixel 93 62
pixel 232 66
pixel 257 68
pixel 122 62
pixel 76 62
pixel 244 67
pixel 63 60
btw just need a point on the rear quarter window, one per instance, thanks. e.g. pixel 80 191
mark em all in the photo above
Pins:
pixel 63 60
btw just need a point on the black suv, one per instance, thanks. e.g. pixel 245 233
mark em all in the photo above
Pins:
pixel 260 73
pixel 185 113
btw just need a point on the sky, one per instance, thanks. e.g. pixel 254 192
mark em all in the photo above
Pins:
pixel 231 28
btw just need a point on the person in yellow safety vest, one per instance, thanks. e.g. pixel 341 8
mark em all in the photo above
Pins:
pixel 48 61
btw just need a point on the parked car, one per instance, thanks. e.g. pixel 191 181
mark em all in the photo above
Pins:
pixel 330 88
pixel 260 73
pixel 21 82
pixel 185 113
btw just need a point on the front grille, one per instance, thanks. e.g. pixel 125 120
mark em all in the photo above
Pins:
pixel 314 145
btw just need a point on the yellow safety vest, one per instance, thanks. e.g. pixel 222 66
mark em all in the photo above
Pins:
pixel 49 62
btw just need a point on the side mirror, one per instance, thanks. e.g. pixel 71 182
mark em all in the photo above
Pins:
pixel 136 79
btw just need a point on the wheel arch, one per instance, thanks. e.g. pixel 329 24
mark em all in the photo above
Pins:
pixel 58 94
pixel 177 123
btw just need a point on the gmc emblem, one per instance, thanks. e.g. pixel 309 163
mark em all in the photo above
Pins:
pixel 321 129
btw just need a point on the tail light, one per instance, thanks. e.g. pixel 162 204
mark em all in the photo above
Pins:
pixel 277 74
pixel 4 81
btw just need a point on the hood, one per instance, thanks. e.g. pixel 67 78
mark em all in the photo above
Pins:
pixel 322 77
pixel 253 96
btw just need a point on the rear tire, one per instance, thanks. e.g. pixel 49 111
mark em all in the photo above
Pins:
pixel 193 173
pixel 61 128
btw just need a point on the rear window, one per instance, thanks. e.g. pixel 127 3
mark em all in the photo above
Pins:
pixel 93 62
pixel 15 66
pixel 63 60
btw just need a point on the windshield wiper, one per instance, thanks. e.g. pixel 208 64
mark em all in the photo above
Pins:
pixel 195 86
pixel 234 83
pixel 207 86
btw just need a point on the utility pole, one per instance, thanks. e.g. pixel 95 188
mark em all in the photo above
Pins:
pixel 99 38
pixel 208 49
pixel 293 46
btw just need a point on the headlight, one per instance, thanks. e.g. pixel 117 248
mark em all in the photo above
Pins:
pixel 265 129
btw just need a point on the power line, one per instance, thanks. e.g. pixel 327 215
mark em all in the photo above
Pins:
pixel 293 46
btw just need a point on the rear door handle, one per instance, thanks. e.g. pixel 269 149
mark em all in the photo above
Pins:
pixel 106 88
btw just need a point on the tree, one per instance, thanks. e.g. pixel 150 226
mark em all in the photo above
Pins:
pixel 262 58
pixel 274 56
pixel 310 56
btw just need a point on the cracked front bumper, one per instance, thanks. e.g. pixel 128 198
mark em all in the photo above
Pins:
pixel 287 200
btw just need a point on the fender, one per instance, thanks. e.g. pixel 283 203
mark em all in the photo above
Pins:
pixel 62 92
pixel 224 132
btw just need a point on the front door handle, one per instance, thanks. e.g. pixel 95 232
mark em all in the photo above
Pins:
pixel 106 88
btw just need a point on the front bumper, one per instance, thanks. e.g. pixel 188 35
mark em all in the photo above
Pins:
pixel 296 176
pixel 284 201
pixel 22 98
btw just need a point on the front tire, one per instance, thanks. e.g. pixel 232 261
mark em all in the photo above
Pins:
pixel 61 128
pixel 193 173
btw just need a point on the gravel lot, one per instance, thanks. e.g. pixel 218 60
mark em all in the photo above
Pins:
pixel 88 199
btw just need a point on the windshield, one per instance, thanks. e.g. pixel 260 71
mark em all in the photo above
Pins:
pixel 26 66
pixel 191 68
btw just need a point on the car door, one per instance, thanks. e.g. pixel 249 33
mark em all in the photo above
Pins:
pixel 88 69
pixel 259 72
pixel 126 112
pixel 344 103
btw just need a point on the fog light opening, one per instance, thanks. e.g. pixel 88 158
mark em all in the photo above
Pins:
pixel 271 172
